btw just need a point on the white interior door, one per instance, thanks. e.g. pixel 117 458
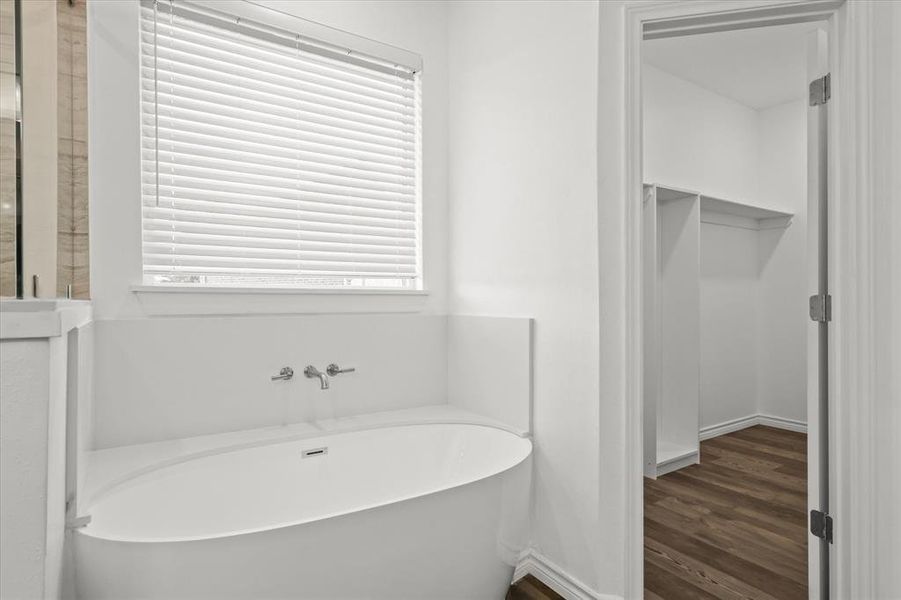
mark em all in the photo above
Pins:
pixel 818 331
pixel 650 328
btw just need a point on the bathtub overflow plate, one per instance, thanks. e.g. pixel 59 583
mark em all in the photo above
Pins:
pixel 313 452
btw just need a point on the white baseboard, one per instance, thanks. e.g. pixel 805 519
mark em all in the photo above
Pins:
pixel 783 423
pixel 532 563
pixel 692 457
pixel 712 431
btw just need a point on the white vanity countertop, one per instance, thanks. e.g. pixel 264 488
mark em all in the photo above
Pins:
pixel 108 467
pixel 31 318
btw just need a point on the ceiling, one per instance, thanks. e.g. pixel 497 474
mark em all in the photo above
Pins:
pixel 759 67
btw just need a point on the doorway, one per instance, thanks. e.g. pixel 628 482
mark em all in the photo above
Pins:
pixel 727 346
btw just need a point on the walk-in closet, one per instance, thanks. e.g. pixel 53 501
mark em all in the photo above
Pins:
pixel 702 301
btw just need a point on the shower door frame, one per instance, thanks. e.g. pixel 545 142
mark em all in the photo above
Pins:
pixel 848 229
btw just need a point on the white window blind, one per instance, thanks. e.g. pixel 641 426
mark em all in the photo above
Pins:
pixel 273 160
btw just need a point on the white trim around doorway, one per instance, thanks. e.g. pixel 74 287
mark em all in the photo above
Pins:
pixel 852 181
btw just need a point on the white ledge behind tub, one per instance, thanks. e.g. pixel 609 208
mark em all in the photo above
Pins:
pixel 105 468
pixel 489 367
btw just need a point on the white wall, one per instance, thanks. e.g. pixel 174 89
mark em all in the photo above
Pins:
pixel 523 240
pixel 696 139
pixel 489 368
pixel 157 379
pixel 782 289
pixel 729 315
pixel 114 118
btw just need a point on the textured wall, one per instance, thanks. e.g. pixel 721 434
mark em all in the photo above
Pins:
pixel 7 150
pixel 72 166
pixel 72 157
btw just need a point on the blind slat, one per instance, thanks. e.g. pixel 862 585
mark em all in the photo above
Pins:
pixel 187 252
pixel 349 170
pixel 167 185
pixel 268 165
pixel 296 217
pixel 209 35
pixel 261 179
pixel 266 235
pixel 221 264
pixel 172 129
pixel 236 63
pixel 263 91
pixel 203 239
pixel 229 126
pixel 283 207
pixel 220 114
pixel 173 217
pixel 209 199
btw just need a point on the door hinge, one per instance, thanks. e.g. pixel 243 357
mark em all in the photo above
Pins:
pixel 821 525
pixel 821 308
pixel 820 90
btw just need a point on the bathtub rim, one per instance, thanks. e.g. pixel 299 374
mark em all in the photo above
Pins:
pixel 114 471
pixel 111 486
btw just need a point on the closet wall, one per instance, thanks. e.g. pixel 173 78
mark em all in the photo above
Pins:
pixel 752 283
pixel 782 322
pixel 695 139
pixel 729 321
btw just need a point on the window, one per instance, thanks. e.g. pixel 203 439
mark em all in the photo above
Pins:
pixel 270 159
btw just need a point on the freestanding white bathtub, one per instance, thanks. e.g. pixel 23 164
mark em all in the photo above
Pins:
pixel 417 511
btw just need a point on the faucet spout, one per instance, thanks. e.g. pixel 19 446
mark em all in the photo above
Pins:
pixel 312 372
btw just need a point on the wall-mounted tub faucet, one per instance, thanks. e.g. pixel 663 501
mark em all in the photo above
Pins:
pixel 312 372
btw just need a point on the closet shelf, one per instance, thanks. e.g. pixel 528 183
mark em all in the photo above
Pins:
pixel 709 203
pixel 728 212
pixel 665 193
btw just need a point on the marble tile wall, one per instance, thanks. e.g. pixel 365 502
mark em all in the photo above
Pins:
pixel 7 150
pixel 72 211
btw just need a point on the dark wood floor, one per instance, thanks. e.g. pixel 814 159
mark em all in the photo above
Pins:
pixel 529 588
pixel 733 526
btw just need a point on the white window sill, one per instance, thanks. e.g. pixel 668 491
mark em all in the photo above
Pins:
pixel 187 300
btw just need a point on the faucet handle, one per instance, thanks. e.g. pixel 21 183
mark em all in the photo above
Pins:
pixel 286 373
pixel 334 369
